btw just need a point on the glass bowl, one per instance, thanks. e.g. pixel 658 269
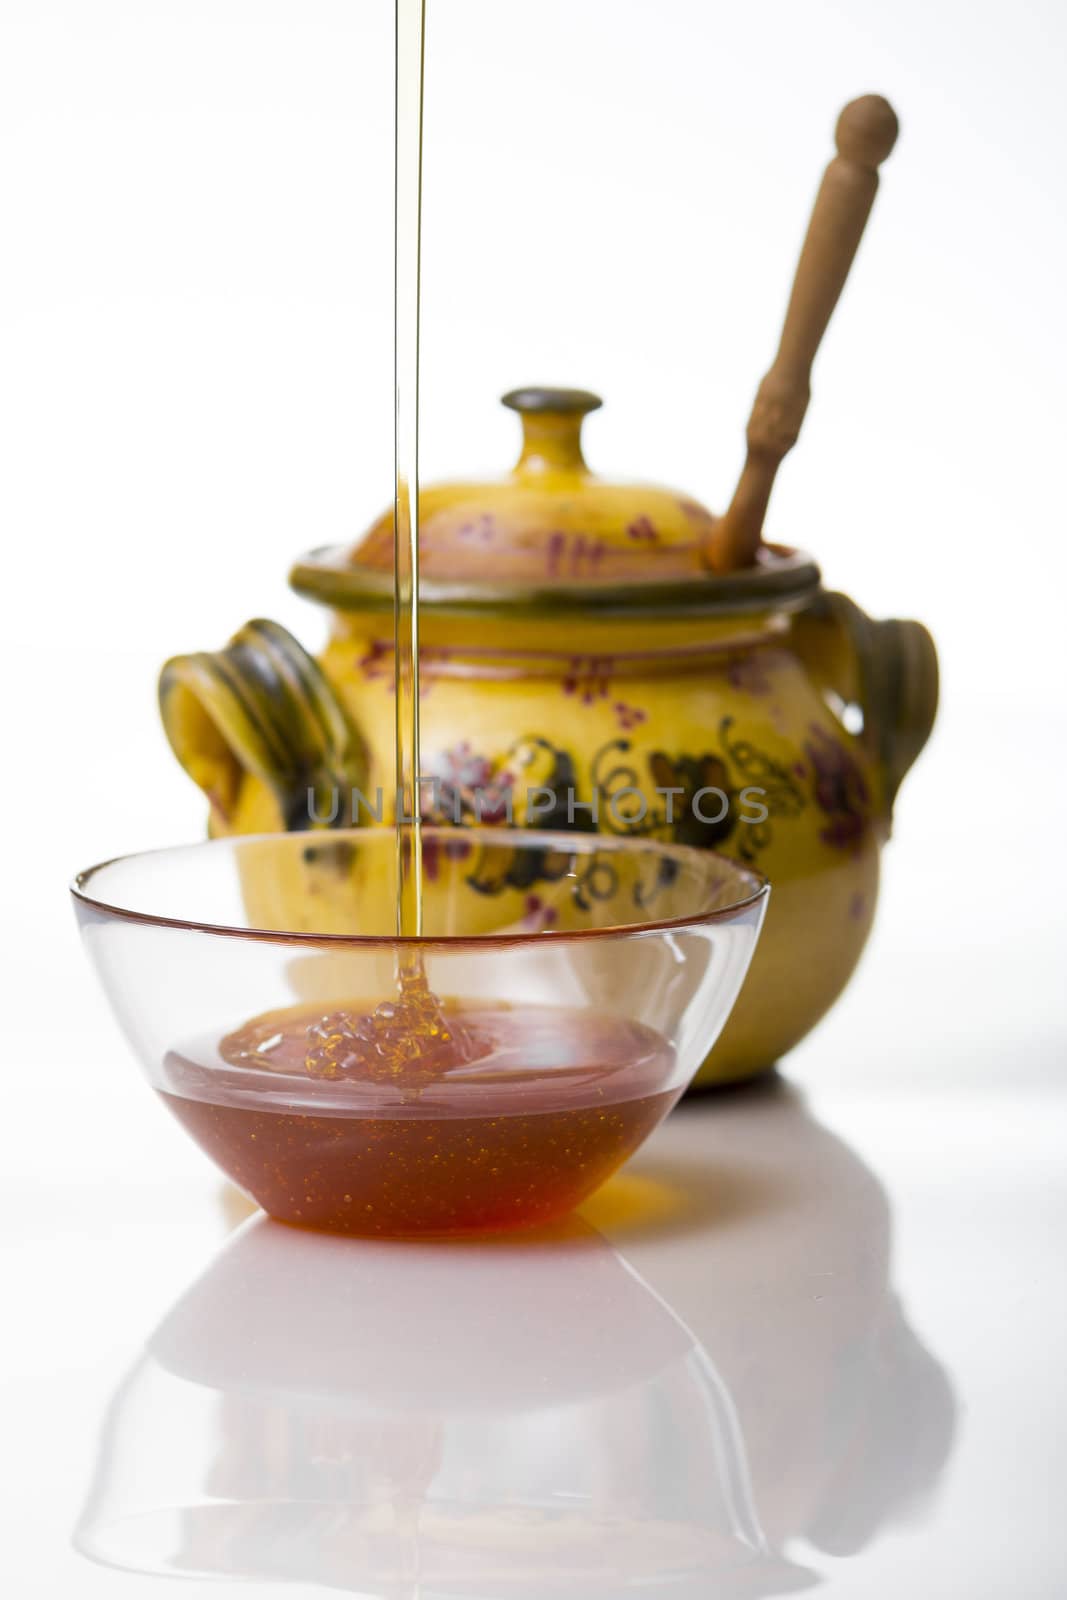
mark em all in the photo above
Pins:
pixel 487 1075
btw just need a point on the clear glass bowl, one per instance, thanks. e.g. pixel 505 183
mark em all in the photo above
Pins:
pixel 487 1075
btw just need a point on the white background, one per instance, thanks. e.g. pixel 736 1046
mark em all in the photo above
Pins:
pixel 195 368
pixel 195 319
pixel 195 315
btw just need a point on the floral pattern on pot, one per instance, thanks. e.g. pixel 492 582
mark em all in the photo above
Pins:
pixel 841 791
pixel 589 680
pixel 703 799
pixel 736 795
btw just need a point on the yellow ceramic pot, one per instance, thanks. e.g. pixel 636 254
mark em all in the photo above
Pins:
pixel 581 667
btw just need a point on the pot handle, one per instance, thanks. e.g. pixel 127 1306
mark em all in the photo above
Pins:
pixel 261 708
pixel 889 669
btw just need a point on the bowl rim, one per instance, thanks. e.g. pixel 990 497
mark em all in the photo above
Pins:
pixel 588 843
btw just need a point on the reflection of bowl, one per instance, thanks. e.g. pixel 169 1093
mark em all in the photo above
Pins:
pixel 582 980
pixel 509 1417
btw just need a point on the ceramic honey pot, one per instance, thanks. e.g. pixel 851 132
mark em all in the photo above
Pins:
pixel 610 657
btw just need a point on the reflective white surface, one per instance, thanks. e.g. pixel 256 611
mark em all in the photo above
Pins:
pixel 769 1356
pixel 871 1286
pixel 383 1419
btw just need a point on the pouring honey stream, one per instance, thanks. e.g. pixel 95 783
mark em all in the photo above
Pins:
pixel 408 1038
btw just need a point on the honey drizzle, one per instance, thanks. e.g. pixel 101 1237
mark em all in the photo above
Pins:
pixel 407 200
pixel 408 1038
pixel 412 1034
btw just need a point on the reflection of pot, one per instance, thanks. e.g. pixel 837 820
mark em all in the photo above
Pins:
pixel 394 1420
pixel 580 642
pixel 846 1417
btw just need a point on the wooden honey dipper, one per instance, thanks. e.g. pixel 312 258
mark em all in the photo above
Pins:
pixel 866 132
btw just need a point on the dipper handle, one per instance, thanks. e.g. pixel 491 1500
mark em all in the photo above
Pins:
pixel 866 132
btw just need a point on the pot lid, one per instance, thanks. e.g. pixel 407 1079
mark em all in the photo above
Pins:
pixel 551 532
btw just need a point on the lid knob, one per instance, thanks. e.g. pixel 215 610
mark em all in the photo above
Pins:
pixel 551 427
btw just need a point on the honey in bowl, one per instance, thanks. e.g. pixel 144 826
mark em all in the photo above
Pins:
pixel 509 1122
pixel 549 1056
